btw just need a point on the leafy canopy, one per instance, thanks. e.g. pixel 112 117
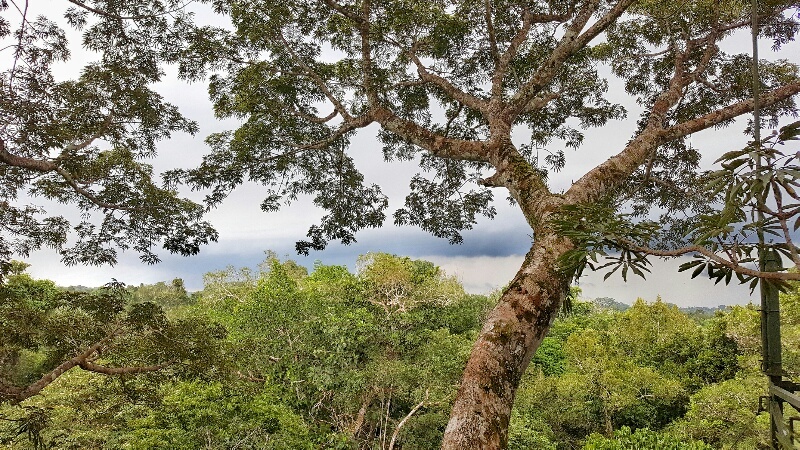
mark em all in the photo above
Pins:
pixel 84 141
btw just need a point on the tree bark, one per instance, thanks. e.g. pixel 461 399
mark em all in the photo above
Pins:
pixel 507 342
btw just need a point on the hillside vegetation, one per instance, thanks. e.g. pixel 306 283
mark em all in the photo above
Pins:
pixel 280 358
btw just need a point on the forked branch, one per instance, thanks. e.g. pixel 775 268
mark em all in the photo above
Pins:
pixel 572 41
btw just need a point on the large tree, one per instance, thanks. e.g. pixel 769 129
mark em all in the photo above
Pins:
pixel 450 83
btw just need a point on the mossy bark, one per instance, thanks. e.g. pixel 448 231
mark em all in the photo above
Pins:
pixel 512 333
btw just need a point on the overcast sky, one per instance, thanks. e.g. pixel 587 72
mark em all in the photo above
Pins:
pixel 488 258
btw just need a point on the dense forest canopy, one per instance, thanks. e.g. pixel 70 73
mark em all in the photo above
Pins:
pixel 449 84
pixel 370 360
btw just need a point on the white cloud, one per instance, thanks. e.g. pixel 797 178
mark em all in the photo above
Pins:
pixel 482 274
pixel 479 274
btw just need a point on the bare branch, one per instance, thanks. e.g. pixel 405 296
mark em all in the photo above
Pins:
pixel 405 419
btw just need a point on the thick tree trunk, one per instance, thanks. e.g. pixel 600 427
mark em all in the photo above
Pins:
pixel 508 341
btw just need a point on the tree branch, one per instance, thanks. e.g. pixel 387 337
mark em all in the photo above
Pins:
pixel 450 89
pixel 312 118
pixel 344 11
pixel 603 23
pixel 490 30
pixel 547 18
pixel 92 367
pixel 436 144
pixel 571 42
pixel 311 73
pixel 47 166
pixel 505 59
pixel 785 276
pixel 405 419
pixel 100 12
pixel 33 389
pixel 362 412
pixel 250 377
pixel 24 163
pixel 729 112
pixel 352 124
pixel 366 53
pixel 97 135
pixel 619 167
pixel 540 101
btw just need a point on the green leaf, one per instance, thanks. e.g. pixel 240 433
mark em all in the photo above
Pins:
pixel 698 270
pixel 607 275
pixel 790 132
pixel 731 155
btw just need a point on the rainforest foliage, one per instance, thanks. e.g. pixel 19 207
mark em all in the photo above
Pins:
pixel 280 358
pixel 470 91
